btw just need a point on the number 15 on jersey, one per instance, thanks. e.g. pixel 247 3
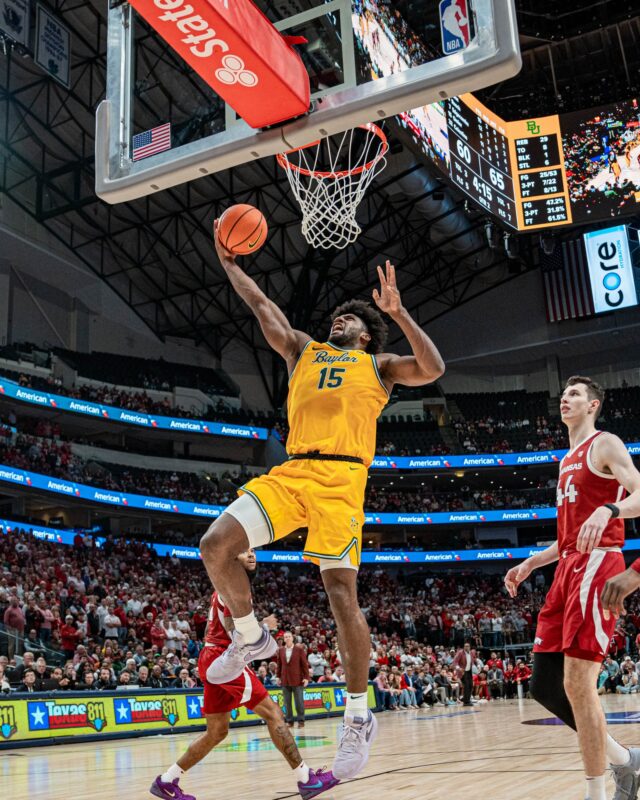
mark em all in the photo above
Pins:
pixel 331 377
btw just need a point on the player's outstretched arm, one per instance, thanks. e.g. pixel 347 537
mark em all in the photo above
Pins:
pixel 521 572
pixel 426 364
pixel 610 455
pixel 284 339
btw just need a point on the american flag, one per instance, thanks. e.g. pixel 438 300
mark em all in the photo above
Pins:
pixel 154 141
pixel 567 289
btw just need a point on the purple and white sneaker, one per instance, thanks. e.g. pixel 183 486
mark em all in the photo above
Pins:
pixel 356 739
pixel 235 658
pixel 319 781
pixel 169 791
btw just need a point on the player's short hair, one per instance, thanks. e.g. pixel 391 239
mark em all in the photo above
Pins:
pixel 372 319
pixel 594 390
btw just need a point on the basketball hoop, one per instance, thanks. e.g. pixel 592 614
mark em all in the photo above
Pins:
pixel 329 196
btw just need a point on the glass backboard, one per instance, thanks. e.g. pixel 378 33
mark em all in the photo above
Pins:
pixel 366 59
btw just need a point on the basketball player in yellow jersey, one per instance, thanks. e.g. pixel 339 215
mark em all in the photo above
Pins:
pixel 336 393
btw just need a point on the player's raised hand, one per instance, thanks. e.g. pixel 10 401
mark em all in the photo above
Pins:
pixel 388 298
pixel 616 589
pixel 271 622
pixel 592 530
pixel 515 576
pixel 224 255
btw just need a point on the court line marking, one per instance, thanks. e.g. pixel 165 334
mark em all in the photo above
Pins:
pixel 415 769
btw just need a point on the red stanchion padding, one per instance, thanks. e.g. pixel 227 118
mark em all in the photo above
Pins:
pixel 238 52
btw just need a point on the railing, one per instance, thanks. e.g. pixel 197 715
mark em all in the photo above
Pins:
pixel 13 643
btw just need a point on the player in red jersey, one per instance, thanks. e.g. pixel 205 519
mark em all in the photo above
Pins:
pixel 221 699
pixel 573 631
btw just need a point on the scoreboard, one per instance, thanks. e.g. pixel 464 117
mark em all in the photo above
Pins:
pixel 575 168
pixel 480 162
pixel 513 169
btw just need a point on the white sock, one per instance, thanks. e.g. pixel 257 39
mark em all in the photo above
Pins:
pixel 248 628
pixel 301 773
pixel 356 705
pixel 171 774
pixel 616 753
pixel 596 788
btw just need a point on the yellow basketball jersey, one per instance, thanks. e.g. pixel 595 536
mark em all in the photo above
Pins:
pixel 335 398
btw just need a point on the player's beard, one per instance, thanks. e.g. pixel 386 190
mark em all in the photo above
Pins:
pixel 345 340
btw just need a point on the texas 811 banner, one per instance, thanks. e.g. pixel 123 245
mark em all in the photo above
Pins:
pixel 49 717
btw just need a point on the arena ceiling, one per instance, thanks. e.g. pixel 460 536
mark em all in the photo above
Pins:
pixel 157 253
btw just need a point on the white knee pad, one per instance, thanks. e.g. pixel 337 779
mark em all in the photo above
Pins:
pixel 249 514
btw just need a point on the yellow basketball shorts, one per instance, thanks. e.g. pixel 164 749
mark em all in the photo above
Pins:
pixel 326 497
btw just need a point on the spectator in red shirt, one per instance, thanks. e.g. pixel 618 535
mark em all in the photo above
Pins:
pixel 493 662
pixel 199 621
pixel 158 635
pixel 149 608
pixel 482 685
pixel 124 623
pixel 14 621
pixel 618 644
pixel 521 675
pixel 143 629
pixel 326 677
pixel 70 637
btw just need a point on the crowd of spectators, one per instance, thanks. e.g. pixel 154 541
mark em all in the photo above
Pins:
pixel 54 457
pixel 507 428
pixel 80 618
pixel 148 373
pixel 387 447
pixel 490 435
pixel 129 399
pixel 385 499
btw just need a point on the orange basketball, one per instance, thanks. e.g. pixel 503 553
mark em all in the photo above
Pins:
pixel 242 229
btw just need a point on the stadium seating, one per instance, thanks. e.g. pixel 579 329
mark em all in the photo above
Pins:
pixel 68 599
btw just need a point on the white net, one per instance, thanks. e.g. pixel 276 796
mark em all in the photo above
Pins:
pixel 329 178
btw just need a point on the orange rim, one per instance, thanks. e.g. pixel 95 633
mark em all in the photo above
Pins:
pixel 369 126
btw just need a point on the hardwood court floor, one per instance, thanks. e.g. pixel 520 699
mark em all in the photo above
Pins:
pixel 483 752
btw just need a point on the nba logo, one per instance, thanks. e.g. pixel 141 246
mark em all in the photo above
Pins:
pixel 454 25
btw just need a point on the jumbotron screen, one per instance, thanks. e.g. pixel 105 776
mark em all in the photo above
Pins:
pixel 602 160
pixel 530 173
pixel 537 173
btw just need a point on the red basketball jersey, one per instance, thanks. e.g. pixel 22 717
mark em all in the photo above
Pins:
pixel 217 634
pixel 581 489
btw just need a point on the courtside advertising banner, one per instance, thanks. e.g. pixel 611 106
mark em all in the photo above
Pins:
pixel 49 717
pixel 469 461
pixel 34 481
pixel 14 20
pixel 59 402
pixel 400 557
pixel 611 269
pixel 238 52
